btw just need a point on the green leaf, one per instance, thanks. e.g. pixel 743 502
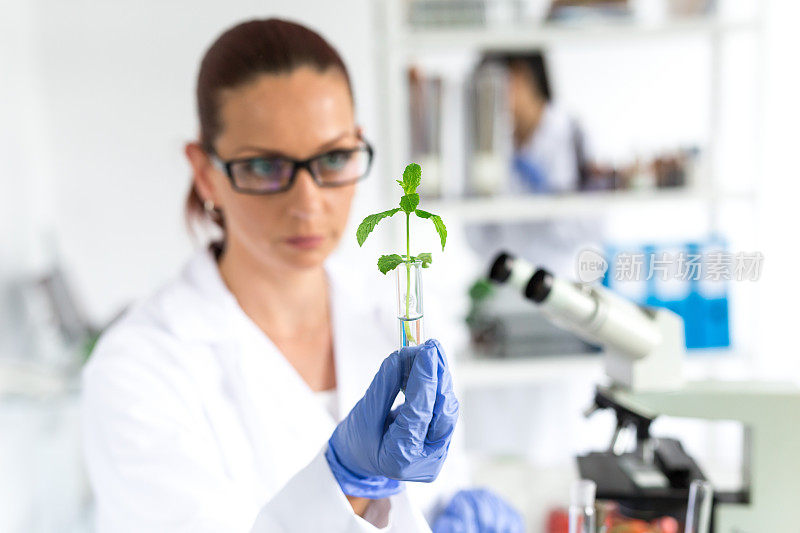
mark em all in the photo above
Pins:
pixel 412 177
pixel 426 259
pixel 388 262
pixel 438 223
pixel 440 228
pixel 409 202
pixel 369 223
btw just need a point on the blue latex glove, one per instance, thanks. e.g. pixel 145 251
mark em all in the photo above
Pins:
pixel 531 174
pixel 478 511
pixel 372 450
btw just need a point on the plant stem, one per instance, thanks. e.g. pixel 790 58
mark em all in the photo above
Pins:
pixel 408 279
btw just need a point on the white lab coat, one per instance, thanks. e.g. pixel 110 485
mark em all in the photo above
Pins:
pixel 195 422
pixel 551 146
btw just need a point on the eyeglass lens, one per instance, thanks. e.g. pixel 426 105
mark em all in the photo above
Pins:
pixel 274 173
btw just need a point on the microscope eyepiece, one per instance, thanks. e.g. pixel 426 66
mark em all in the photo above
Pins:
pixel 501 268
pixel 535 284
pixel 538 288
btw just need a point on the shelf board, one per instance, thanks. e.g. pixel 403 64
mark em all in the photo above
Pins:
pixel 519 37
pixel 543 207
pixel 24 379
pixel 474 372
pixel 477 373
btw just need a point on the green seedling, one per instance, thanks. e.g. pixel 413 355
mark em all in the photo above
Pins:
pixel 412 177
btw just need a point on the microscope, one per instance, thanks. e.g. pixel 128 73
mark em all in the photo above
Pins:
pixel 644 351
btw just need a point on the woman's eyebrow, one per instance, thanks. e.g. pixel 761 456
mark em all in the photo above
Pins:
pixel 335 140
pixel 268 152
pixel 261 151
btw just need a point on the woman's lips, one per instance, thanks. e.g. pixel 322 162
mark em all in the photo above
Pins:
pixel 305 242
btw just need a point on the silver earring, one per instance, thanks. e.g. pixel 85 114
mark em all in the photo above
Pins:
pixel 208 205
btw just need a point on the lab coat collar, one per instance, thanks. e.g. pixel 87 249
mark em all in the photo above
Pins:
pixel 214 309
pixel 256 372
pixel 199 307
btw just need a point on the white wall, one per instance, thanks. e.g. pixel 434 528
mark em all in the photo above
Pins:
pixel 118 105
pixel 779 178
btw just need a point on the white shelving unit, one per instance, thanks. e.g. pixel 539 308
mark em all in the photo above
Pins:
pixel 483 373
pixel 528 208
pixel 25 379
pixel 487 373
pixel 401 46
pixel 413 41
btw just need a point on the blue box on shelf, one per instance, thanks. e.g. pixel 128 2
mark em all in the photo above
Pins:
pixel 690 279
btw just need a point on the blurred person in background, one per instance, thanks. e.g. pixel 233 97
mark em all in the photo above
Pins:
pixel 254 391
pixel 549 157
pixel 548 144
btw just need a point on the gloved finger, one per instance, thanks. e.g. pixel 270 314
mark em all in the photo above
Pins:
pixel 438 345
pixel 486 510
pixel 516 524
pixel 495 514
pixel 458 516
pixel 410 427
pixel 390 418
pixel 453 524
pixel 387 382
pixel 507 521
pixel 445 408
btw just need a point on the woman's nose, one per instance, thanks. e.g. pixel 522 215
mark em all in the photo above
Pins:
pixel 306 200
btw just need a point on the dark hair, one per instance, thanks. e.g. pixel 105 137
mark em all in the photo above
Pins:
pixel 533 62
pixel 238 56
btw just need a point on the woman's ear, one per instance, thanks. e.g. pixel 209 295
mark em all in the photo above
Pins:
pixel 201 171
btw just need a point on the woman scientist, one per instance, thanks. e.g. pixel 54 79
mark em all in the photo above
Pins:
pixel 212 406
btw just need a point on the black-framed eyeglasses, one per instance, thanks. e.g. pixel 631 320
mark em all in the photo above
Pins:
pixel 276 174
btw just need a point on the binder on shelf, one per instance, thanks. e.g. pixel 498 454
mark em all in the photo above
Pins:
pixel 491 130
pixel 425 118
pixel 691 279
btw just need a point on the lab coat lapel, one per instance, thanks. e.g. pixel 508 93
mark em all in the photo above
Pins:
pixel 284 422
pixel 362 331
pixel 281 402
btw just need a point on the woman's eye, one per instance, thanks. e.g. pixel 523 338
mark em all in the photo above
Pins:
pixel 264 167
pixel 335 160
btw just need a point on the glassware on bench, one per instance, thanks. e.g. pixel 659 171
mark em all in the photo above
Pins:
pixel 581 507
pixel 698 511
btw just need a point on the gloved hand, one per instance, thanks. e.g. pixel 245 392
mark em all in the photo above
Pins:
pixel 478 511
pixel 372 450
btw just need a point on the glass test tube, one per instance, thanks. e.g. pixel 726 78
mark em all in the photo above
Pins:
pixel 581 507
pixel 409 303
pixel 698 511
